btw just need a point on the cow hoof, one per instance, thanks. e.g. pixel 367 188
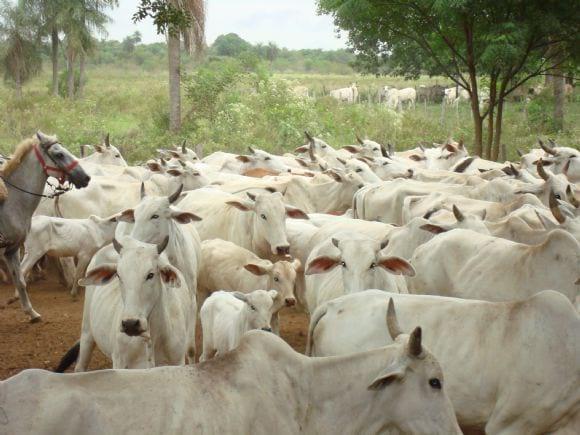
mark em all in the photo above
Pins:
pixel 35 318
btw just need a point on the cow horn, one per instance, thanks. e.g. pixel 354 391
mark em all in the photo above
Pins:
pixel 161 247
pixel 555 208
pixel 142 190
pixel 392 322
pixel 162 161
pixel 384 152
pixel 341 160
pixel 311 152
pixel 173 197
pixel 546 148
pixel 516 173
pixel 308 136
pixel 391 150
pixel 108 140
pixel 251 196
pixel 252 150
pixel 520 152
pixel 183 146
pixel 415 348
pixel 421 147
pixel 541 171
pixel 335 242
pixel 82 148
pixel 118 247
pixel 457 213
pixel 359 140
pixel 571 198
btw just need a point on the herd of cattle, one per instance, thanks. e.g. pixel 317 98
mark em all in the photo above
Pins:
pixel 443 292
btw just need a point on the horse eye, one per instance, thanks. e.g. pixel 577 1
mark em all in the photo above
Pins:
pixel 435 383
pixel 263 216
pixel 59 155
pixel 155 216
pixel 343 264
pixel 150 275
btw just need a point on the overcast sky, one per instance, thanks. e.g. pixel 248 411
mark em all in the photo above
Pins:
pixel 289 23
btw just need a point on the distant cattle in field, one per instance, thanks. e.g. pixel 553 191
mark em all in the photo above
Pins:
pixel 430 94
pixel 301 91
pixel 346 95
pixel 454 95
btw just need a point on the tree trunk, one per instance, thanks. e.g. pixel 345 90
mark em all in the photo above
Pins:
pixel 18 85
pixel 490 118
pixel 70 75
pixel 54 57
pixel 559 97
pixel 497 136
pixel 81 76
pixel 173 49
pixel 476 115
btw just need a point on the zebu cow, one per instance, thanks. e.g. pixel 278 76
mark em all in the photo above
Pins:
pixel 362 265
pixel 141 316
pixel 57 237
pixel 407 96
pixel 182 153
pixel 470 265
pixel 225 317
pixel 256 224
pixel 227 266
pixel 454 95
pixel 396 388
pixel 550 183
pixel 510 367
pixel 346 95
pixel 106 154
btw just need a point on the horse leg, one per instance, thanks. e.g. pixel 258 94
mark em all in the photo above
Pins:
pixel 13 264
pixel 27 264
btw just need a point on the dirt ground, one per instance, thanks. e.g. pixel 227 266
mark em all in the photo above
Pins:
pixel 41 345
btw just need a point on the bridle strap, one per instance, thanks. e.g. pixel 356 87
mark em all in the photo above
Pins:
pixel 61 174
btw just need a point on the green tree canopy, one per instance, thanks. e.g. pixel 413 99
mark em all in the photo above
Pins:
pixel 230 45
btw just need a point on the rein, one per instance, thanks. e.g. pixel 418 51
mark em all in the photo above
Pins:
pixel 57 190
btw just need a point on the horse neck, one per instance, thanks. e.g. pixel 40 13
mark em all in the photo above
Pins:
pixel 30 177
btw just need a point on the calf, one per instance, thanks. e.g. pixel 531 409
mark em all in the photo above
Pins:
pixel 227 266
pixel 225 317
pixel 58 237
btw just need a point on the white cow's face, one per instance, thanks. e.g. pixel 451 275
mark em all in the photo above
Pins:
pixel 154 216
pixel 190 178
pixel 109 155
pixel 361 263
pixel 259 308
pixel 362 169
pixel 258 159
pixel 281 277
pixel 270 219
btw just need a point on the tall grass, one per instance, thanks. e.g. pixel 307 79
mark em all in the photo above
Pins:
pixel 262 111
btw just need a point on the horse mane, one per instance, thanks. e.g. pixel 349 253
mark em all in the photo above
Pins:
pixel 21 151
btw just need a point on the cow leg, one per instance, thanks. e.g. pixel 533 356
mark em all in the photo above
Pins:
pixel 82 264
pixel 13 264
pixel 87 346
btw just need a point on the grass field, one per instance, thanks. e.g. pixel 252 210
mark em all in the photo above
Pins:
pixel 131 105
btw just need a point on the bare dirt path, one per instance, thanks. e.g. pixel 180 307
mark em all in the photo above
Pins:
pixel 24 345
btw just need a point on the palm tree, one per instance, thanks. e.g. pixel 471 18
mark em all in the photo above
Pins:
pixel 22 57
pixel 193 34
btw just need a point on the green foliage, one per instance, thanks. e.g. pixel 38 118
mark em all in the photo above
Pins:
pixel 164 14
pixel 62 83
pixel 230 45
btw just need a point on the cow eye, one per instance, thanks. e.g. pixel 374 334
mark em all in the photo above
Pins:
pixel 276 279
pixel 267 158
pixel 263 216
pixel 343 264
pixel 557 195
pixel 323 146
pixel 155 216
pixel 117 155
pixel 252 307
pixel 375 149
pixel 150 275
pixel 435 383
pixel 373 265
pixel 358 170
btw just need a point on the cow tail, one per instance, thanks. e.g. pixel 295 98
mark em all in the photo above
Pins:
pixel 316 317
pixel 69 358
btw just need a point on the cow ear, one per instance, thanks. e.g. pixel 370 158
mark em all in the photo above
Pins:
pixel 301 162
pixel 244 159
pixel 242 205
pixel 432 228
pixel 450 148
pixel 394 372
pixel 352 149
pixel 184 217
pixel 335 175
pixel 241 296
pixel 154 166
pixel 100 275
pixel 416 157
pixel 175 172
pixel 295 213
pixel 174 154
pixel 397 265
pixel 169 276
pixel 321 265
pixel 127 216
pixel 302 149
pixel 99 149
pixel 258 269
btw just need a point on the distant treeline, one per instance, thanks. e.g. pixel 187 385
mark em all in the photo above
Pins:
pixel 154 56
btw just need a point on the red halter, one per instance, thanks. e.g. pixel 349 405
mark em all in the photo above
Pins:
pixel 62 174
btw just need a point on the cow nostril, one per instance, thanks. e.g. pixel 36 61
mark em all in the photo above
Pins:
pixel 283 250
pixel 290 302
pixel 131 326
pixel 267 329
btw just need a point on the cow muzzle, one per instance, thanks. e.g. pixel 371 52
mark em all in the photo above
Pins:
pixel 283 250
pixel 267 329
pixel 132 327
pixel 290 302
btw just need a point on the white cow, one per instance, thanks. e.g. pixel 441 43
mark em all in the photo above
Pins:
pixel 454 95
pixel 346 95
pixel 361 265
pixel 399 388
pixel 226 316
pixel 106 154
pixel 141 314
pixel 58 237
pixel 256 224
pixel 407 96
pixel 229 267
pixel 510 367
pixel 470 265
